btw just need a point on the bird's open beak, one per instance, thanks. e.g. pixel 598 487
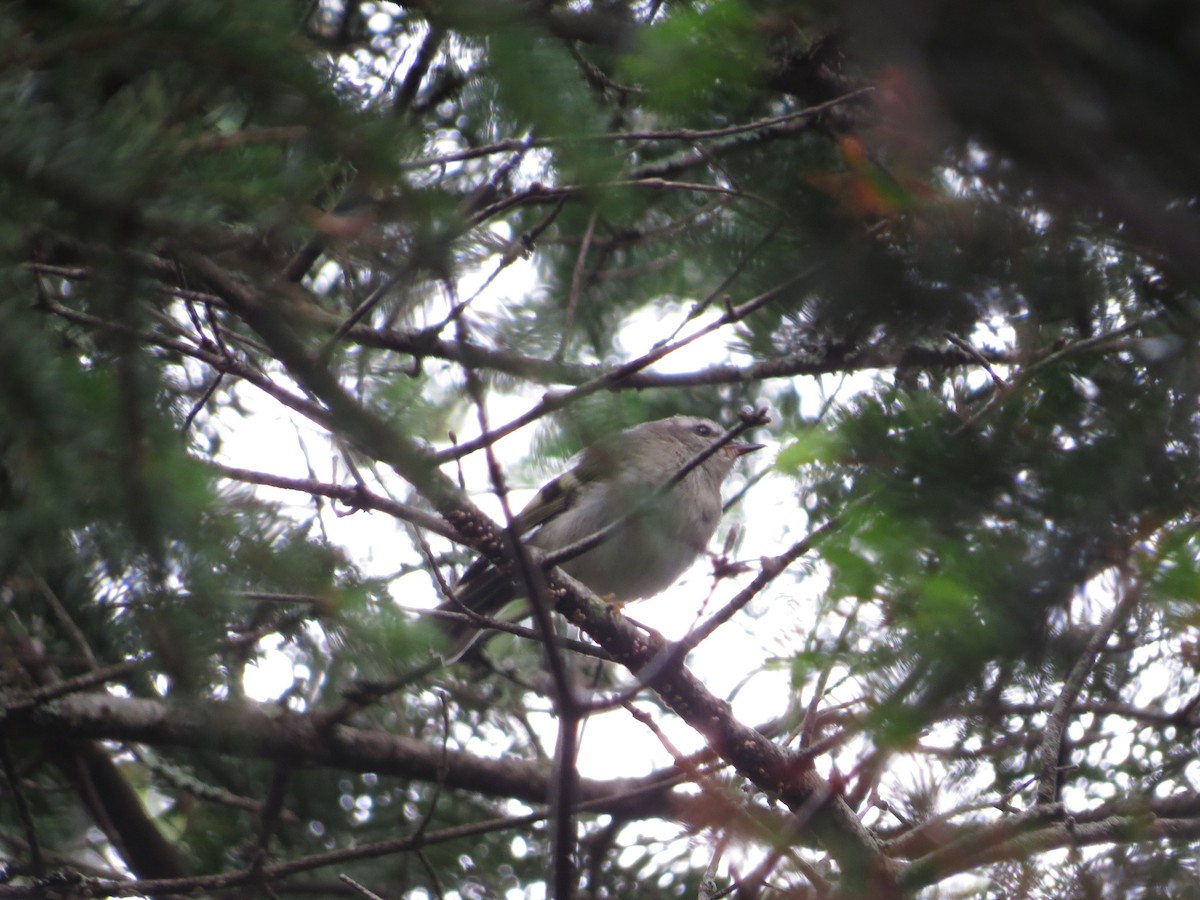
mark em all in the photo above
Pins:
pixel 741 448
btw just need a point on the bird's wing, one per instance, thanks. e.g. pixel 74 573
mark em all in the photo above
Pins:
pixel 552 500
pixel 557 495
pixel 482 588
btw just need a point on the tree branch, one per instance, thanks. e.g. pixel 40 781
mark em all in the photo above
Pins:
pixel 1056 722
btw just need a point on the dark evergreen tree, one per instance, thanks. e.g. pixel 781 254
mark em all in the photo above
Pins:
pixel 278 277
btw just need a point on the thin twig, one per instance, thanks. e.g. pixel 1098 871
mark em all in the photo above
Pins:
pixel 74 685
pixel 36 861
pixel 354 497
pixel 221 363
pixel 682 134
pixel 358 888
pixel 443 767
pixel 808 728
pixel 770 569
pixel 1056 722
pixel 64 618
pixel 969 349
pixel 552 402
pixel 576 284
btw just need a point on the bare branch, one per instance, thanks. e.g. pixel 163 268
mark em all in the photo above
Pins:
pixel 1056 723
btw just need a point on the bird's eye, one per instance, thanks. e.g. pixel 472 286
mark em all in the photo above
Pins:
pixel 704 430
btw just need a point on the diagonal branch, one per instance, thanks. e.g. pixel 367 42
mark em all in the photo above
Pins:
pixel 356 497
pixel 1056 723
pixel 552 402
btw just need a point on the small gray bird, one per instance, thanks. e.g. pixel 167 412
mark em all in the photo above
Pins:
pixel 615 476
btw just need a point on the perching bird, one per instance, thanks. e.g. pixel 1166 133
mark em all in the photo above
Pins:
pixel 618 475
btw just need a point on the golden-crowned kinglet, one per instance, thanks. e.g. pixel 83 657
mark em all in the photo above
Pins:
pixel 620 475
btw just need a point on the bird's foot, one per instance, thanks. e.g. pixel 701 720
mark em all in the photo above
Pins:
pixel 614 606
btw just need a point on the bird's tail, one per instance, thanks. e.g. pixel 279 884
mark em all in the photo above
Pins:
pixel 482 591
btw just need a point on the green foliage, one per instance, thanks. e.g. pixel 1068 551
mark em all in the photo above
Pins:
pixel 978 349
pixel 700 61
